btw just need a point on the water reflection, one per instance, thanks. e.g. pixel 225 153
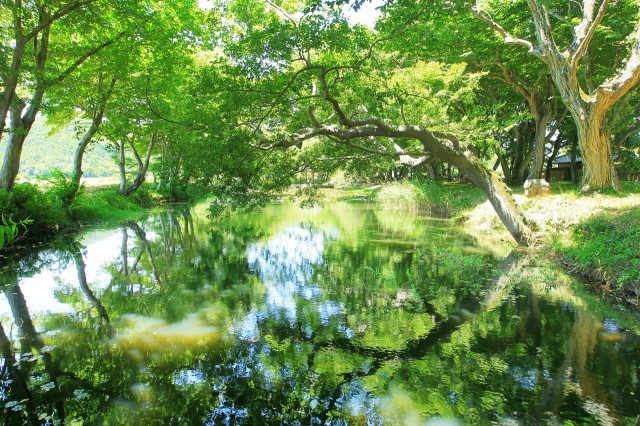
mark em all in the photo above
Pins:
pixel 341 315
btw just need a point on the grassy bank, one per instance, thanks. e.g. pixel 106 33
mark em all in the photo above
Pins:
pixel 596 235
pixel 429 198
pixel 49 211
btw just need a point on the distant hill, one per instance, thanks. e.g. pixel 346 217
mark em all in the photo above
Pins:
pixel 43 153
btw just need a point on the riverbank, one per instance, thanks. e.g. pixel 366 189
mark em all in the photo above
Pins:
pixel 48 211
pixel 596 235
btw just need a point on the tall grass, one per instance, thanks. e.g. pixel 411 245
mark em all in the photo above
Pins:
pixel 107 205
pixel 429 198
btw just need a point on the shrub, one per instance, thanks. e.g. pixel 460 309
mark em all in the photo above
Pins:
pixel 142 197
pixel 45 209
pixel 63 188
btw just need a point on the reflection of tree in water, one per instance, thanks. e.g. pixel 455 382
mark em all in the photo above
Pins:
pixel 425 340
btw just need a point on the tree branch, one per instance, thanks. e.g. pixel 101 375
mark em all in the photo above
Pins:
pixel 628 77
pixel 61 13
pixel 506 36
pixel 543 32
pixel 83 58
pixel 585 30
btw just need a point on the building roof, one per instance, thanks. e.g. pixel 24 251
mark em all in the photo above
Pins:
pixel 566 159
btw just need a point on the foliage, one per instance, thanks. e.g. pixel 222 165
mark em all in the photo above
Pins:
pixel 64 189
pixel 9 230
pixel 45 209
pixel 108 205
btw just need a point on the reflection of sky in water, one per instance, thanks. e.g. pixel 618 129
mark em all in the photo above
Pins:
pixel 101 247
pixel 288 257
pixel 528 378
pixel 285 265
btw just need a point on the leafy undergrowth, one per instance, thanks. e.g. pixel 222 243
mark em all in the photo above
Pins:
pixel 47 210
pixel 607 248
pixel 107 204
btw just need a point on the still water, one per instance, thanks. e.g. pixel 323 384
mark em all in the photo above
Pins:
pixel 341 315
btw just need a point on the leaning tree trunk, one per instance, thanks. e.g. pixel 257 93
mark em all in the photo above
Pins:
pixel 82 147
pixel 499 197
pixel 496 191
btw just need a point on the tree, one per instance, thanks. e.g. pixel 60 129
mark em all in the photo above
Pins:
pixel 59 50
pixel 115 86
pixel 35 77
pixel 311 92
pixel 588 103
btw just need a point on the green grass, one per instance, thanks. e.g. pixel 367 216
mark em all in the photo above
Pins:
pixel 607 246
pixel 431 198
pixel 105 205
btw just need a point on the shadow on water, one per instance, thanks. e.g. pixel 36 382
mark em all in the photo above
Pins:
pixel 339 315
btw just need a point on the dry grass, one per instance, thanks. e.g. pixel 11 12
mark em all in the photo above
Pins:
pixel 554 215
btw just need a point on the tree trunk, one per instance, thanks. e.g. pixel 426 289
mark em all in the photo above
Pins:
pixel 21 124
pixel 143 167
pixel 96 121
pixel 82 147
pixel 19 129
pixel 122 167
pixel 11 81
pixel 541 123
pixel 556 148
pixel 495 190
pixel 11 163
pixel 597 161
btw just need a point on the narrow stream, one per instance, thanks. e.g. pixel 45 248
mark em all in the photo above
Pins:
pixel 340 315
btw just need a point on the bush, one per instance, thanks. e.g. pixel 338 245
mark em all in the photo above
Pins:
pixel 142 197
pixel 26 201
pixel 106 204
pixel 63 188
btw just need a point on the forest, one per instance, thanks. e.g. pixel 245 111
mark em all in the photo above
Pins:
pixel 240 98
pixel 464 246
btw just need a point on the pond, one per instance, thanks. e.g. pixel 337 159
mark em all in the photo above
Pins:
pixel 341 315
